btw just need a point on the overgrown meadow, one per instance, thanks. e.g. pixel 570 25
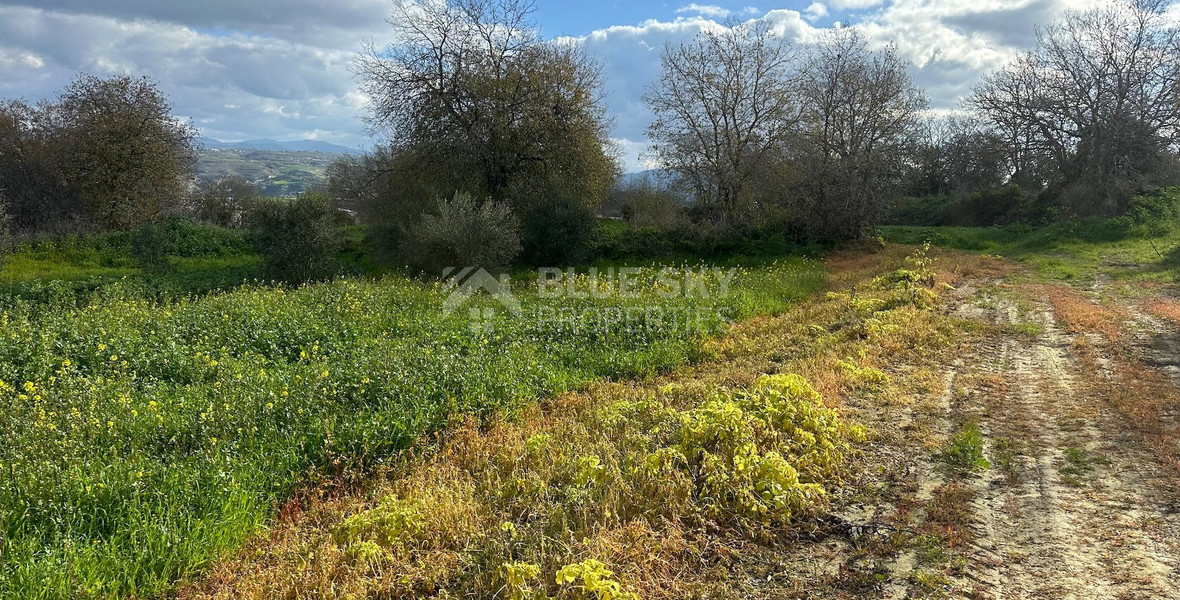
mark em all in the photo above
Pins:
pixel 145 437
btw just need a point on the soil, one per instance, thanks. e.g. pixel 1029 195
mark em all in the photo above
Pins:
pixel 1078 502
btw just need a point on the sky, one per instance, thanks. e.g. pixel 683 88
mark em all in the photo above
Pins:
pixel 280 69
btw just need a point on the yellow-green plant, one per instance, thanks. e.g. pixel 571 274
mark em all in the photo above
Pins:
pixel 864 378
pixel 518 579
pixel 391 522
pixel 764 454
pixel 591 580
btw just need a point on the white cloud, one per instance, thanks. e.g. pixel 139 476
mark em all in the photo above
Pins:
pixel 950 44
pixel 634 154
pixel 816 11
pixel 278 88
pixel 265 68
pixel 854 4
pixel 705 10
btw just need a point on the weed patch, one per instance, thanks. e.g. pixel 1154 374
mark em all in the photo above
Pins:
pixel 964 453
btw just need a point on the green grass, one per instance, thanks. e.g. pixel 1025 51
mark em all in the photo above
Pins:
pixel 1079 465
pixel 1142 245
pixel 190 259
pixel 146 434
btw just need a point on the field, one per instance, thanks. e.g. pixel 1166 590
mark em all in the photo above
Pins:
pixel 145 437
pixel 954 421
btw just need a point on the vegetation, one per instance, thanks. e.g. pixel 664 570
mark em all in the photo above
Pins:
pixel 627 487
pixel 463 233
pixel 5 230
pixel 742 116
pixel 724 106
pixel 118 411
pixel 1139 244
pixel 964 452
pixel 1092 110
pixel 475 99
pixel 203 362
pixel 48 155
pixel 298 239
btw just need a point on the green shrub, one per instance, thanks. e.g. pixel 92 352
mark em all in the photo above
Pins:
pixel 985 208
pixel 5 229
pixel 465 233
pixel 177 237
pixel 765 454
pixel 558 232
pixel 298 239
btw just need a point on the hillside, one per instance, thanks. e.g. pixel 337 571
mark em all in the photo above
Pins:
pixel 279 173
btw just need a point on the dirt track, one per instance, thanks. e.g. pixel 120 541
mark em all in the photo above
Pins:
pixel 1075 504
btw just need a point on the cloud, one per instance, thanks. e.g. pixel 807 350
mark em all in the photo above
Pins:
pixel 280 88
pixel 306 22
pixel 816 11
pixel 949 43
pixel 854 4
pixel 705 10
pixel 265 68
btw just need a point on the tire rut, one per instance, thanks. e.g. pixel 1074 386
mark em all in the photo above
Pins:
pixel 1079 513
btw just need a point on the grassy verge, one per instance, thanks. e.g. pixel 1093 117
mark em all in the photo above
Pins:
pixel 1140 246
pixel 694 484
pixel 144 438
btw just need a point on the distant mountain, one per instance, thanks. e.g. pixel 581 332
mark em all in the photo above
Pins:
pixel 658 177
pixel 274 145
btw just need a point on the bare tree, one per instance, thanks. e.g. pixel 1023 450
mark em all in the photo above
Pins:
pixel 1100 96
pixel 494 110
pixel 861 114
pixel 724 105
pixel 959 154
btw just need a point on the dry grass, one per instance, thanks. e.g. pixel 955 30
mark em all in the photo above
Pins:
pixel 1080 315
pixel 1143 395
pixel 1167 309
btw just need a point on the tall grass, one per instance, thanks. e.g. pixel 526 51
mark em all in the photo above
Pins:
pixel 145 437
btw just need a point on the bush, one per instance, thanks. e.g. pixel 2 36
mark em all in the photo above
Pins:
pixel 765 454
pixel 298 239
pixel 177 237
pixel 645 204
pixel 5 229
pixel 558 232
pixel 1000 206
pixel 1152 214
pixel 464 233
